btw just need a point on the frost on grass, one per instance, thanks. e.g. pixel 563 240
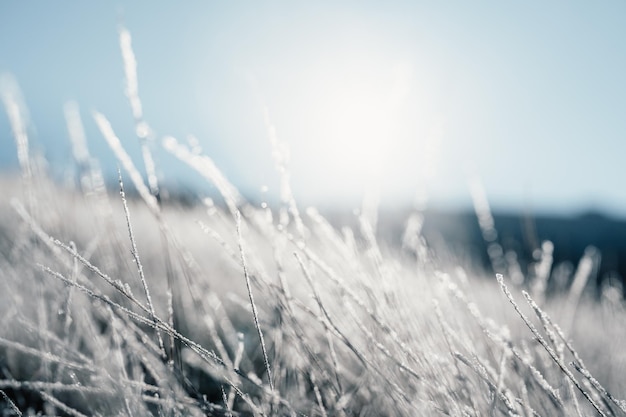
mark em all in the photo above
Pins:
pixel 345 326
pixel 114 305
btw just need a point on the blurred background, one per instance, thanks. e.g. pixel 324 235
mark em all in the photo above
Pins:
pixel 406 100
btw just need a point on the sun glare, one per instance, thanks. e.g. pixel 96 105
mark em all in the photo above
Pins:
pixel 357 111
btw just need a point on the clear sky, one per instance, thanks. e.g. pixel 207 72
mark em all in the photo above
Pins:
pixel 402 95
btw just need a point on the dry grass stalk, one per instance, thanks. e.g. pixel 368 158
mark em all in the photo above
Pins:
pixel 135 254
pixel 252 303
pixel 547 347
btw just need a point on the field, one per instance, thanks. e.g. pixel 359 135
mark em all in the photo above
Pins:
pixel 119 302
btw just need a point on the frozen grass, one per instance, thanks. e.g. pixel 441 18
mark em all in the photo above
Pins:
pixel 138 306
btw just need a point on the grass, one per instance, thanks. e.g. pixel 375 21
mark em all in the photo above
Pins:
pixel 140 306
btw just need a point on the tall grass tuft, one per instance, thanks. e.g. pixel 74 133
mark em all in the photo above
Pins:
pixel 238 310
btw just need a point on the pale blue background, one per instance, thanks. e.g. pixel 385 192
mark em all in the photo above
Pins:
pixel 530 95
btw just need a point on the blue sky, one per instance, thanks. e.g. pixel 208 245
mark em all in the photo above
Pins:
pixel 400 95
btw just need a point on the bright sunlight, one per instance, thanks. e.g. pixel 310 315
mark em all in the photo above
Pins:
pixel 355 103
pixel 359 113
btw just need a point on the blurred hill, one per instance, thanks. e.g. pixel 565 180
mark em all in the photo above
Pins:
pixel 457 234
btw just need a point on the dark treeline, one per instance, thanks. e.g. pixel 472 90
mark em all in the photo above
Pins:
pixel 459 234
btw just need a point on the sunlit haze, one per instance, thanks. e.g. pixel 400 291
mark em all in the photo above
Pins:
pixel 405 99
